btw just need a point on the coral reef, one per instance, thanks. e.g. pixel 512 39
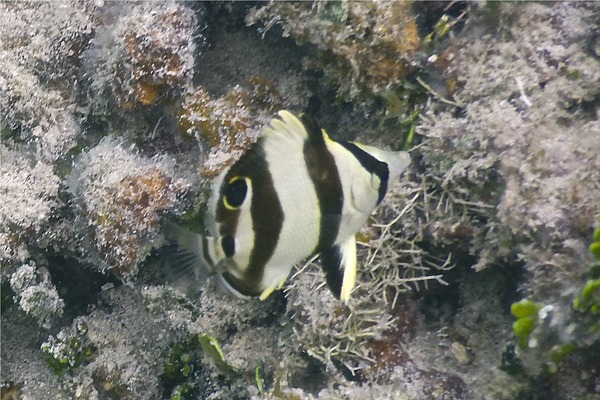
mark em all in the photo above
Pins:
pixel 143 55
pixel 121 207
pixel 40 65
pixel 364 46
pixel 62 74
pixel 522 143
pixel 30 197
pixel 228 124
pixel 478 275
pixel 544 173
pixel 36 294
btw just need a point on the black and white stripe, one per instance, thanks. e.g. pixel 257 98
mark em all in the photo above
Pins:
pixel 294 193
pixel 266 216
pixel 309 194
pixel 325 178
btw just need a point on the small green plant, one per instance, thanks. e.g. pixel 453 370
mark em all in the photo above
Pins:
pixel 595 246
pixel 178 373
pixel 211 347
pixel 587 300
pixel 68 350
pixel 556 329
pixel 526 312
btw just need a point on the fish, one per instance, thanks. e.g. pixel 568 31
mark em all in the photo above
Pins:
pixel 293 194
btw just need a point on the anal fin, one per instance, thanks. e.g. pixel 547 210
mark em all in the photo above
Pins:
pixel 339 265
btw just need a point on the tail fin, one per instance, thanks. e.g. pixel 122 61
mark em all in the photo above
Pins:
pixel 187 257
pixel 397 161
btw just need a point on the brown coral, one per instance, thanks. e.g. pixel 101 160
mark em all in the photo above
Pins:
pixel 138 202
pixel 121 197
pixel 146 56
pixel 228 124
pixel 365 46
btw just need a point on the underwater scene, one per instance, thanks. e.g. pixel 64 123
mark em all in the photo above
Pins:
pixel 300 200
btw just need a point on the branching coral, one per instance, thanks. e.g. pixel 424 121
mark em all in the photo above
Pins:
pixel 330 331
pixel 391 261
pixel 395 260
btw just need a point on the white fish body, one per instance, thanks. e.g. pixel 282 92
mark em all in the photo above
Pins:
pixel 294 193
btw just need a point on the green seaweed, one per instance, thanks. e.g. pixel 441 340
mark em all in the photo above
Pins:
pixel 64 353
pixel 334 11
pixel 587 300
pixel 595 246
pixel 525 308
pixel 526 312
pixel 259 380
pixel 211 347
pixel 582 321
pixel 178 375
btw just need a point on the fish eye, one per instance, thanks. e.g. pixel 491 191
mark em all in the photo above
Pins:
pixel 235 193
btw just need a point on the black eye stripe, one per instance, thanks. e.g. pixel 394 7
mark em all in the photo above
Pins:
pixel 235 192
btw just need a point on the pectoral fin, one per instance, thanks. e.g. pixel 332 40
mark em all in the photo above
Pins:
pixel 187 261
pixel 339 264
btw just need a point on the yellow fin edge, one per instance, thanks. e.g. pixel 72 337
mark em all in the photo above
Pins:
pixel 268 291
pixel 288 124
pixel 349 263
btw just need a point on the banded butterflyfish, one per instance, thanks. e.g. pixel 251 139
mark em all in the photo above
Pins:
pixel 295 193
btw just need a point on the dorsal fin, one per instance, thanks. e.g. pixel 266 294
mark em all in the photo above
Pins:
pixel 288 127
pixel 315 134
